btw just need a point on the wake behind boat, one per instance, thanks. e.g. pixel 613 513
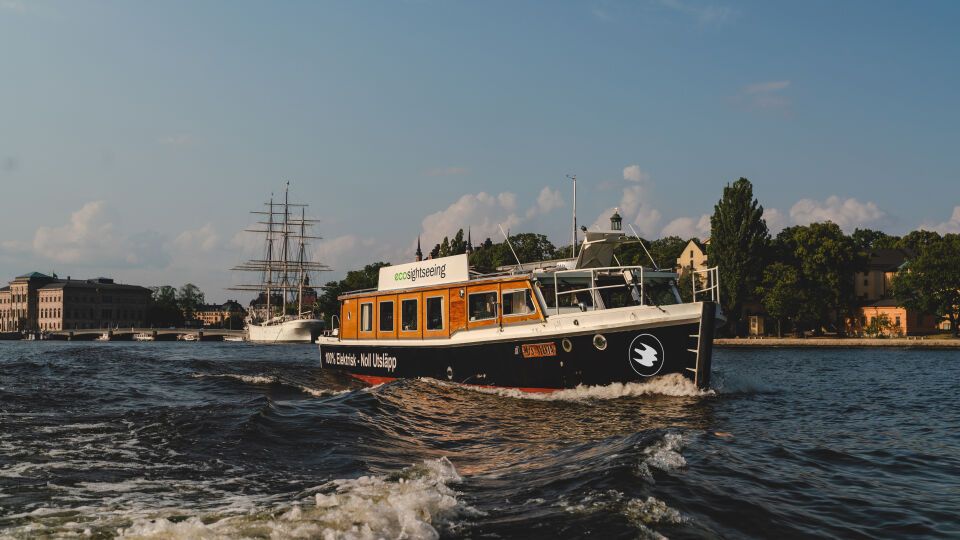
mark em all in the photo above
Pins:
pixel 538 327
pixel 281 313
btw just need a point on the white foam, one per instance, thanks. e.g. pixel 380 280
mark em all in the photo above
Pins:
pixel 250 379
pixel 663 455
pixel 674 384
pixel 410 504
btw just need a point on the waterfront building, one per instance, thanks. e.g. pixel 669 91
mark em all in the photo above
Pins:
pixel 876 283
pixel 220 314
pixel 37 302
pixel 693 257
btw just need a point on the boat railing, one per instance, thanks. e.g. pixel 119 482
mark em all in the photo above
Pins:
pixel 335 326
pixel 594 288
pixel 711 284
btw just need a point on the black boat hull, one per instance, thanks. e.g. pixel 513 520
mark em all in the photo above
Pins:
pixel 537 364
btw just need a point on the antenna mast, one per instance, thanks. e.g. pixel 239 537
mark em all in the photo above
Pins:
pixel 573 244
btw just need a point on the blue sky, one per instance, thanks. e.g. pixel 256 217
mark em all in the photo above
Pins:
pixel 135 136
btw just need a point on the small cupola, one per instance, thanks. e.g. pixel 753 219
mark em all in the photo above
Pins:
pixel 616 222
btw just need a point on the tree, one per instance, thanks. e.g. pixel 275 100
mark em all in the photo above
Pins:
pixel 666 250
pixel 739 238
pixel 458 246
pixel 445 247
pixel 355 280
pixel 435 252
pixel 531 247
pixel 827 261
pixel 916 241
pixel 930 282
pixel 163 309
pixel 189 298
pixel 780 293
pixel 869 239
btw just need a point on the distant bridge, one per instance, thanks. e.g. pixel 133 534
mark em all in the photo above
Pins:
pixel 159 334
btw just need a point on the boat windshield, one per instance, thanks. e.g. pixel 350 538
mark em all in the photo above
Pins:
pixel 588 290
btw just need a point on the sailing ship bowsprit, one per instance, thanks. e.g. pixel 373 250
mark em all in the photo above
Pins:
pixel 283 311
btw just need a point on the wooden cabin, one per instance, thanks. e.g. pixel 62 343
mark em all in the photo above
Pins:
pixel 439 311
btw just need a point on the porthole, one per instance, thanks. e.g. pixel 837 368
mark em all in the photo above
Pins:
pixel 567 344
pixel 599 342
pixel 449 373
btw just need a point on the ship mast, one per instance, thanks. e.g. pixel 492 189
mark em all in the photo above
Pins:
pixel 300 256
pixel 286 248
pixel 269 258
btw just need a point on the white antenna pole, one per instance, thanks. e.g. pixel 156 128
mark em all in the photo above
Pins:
pixel 655 267
pixel 573 244
pixel 509 245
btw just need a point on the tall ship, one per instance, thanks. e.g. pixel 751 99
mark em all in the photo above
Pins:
pixel 539 326
pixel 283 309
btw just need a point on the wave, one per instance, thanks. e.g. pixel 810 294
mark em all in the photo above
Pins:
pixel 269 379
pixel 417 503
pixel 674 385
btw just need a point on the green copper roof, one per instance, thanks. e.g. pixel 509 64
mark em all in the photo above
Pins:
pixel 33 275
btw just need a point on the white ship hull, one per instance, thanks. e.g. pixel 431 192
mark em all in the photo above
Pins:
pixel 295 331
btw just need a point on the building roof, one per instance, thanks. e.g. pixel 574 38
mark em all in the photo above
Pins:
pixel 888 260
pixel 34 275
pixel 5 288
pixel 93 284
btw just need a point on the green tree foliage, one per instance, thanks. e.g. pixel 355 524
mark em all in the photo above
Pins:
pixel 739 240
pixel 355 280
pixel 445 247
pixel 826 261
pixel 781 293
pixel 917 241
pixel 930 283
pixel 458 245
pixel 869 239
pixel 667 250
pixel 163 309
pixel 189 298
pixel 529 247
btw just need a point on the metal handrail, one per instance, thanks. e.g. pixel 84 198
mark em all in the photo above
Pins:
pixel 335 318
pixel 712 281
pixel 593 286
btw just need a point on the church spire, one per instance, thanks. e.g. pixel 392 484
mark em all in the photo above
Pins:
pixel 469 248
pixel 419 253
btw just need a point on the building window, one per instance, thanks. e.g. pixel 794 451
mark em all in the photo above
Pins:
pixel 408 315
pixel 483 306
pixel 897 321
pixel 386 316
pixel 866 282
pixel 517 302
pixel 366 317
pixel 435 313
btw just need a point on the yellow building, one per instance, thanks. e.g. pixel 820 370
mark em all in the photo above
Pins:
pixel 219 315
pixel 694 256
pixel 877 282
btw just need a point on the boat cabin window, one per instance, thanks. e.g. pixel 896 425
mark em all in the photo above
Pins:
pixel 660 292
pixel 386 316
pixel 435 313
pixel 366 317
pixel 408 315
pixel 482 306
pixel 517 302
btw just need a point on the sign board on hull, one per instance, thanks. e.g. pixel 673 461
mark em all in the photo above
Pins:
pixel 424 273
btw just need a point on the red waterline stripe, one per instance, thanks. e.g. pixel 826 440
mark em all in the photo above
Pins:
pixel 374 380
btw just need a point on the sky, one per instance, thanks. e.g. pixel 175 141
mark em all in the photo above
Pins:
pixel 135 137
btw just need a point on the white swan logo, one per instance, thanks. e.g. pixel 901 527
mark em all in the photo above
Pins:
pixel 645 355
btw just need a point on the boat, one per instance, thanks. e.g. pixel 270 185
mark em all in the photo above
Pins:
pixel 233 338
pixel 103 337
pixel 144 336
pixel 535 327
pixel 280 314
pixel 188 337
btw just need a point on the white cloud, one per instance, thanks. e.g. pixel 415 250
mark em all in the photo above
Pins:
pixel 688 227
pixel 950 226
pixel 481 212
pixel 204 239
pixel 704 14
pixel 87 237
pixel 634 206
pixel 634 174
pixel 775 219
pixel 447 171
pixel 547 201
pixel 766 95
pixel 847 213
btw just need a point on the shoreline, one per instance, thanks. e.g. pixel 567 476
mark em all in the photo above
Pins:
pixel 837 343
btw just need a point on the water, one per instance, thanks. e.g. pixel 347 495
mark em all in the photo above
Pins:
pixel 204 440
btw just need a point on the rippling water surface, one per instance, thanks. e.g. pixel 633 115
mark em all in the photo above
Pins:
pixel 206 440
